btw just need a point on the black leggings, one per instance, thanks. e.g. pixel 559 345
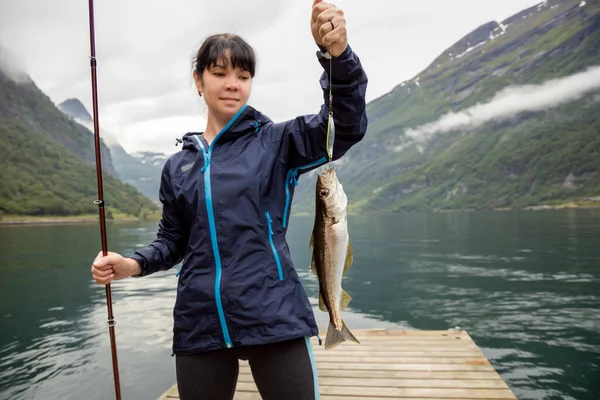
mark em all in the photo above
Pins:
pixel 284 370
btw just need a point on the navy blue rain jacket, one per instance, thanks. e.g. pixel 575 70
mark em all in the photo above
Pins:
pixel 225 212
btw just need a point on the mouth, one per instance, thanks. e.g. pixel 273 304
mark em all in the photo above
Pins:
pixel 231 99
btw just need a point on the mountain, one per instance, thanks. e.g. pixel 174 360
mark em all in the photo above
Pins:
pixel 47 161
pixel 26 102
pixel 507 117
pixel 74 108
pixel 141 170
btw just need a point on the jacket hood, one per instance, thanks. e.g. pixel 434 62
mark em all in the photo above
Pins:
pixel 247 120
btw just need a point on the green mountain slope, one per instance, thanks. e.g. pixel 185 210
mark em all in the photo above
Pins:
pixel 534 156
pixel 47 161
pixel 26 102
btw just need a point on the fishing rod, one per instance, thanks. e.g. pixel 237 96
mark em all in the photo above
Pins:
pixel 100 201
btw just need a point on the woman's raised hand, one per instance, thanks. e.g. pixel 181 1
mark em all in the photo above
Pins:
pixel 328 27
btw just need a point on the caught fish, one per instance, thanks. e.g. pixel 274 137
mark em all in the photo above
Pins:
pixel 331 254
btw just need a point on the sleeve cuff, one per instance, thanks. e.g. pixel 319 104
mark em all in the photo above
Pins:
pixel 142 261
pixel 324 57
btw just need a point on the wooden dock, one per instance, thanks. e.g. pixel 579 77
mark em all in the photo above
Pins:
pixel 392 364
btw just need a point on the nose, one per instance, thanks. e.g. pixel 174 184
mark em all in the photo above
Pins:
pixel 231 84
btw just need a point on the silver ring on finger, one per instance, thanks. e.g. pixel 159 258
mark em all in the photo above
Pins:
pixel 332 25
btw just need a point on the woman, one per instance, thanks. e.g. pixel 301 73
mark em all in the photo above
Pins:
pixel 226 198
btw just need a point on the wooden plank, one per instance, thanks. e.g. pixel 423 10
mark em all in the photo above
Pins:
pixel 393 348
pixel 458 375
pixel 385 339
pixel 398 393
pixel 406 353
pixel 404 367
pixel 409 365
pixel 401 332
pixel 405 339
pixel 406 335
pixel 401 383
pixel 256 396
pixel 403 360
pixel 405 343
pixel 171 393
pixel 400 338
pixel 436 345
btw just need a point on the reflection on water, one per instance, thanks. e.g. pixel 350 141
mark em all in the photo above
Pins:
pixel 526 286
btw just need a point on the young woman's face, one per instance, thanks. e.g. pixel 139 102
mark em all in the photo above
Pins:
pixel 225 89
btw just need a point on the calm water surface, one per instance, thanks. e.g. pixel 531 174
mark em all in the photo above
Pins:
pixel 525 285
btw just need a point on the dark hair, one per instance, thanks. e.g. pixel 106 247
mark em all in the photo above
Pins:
pixel 213 50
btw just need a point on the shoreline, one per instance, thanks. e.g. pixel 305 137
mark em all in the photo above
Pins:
pixel 24 220
pixel 16 220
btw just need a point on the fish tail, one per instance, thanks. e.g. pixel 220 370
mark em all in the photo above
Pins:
pixel 335 337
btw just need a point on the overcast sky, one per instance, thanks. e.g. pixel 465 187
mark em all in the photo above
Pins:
pixel 144 49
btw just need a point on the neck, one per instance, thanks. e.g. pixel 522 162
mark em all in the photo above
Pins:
pixel 214 125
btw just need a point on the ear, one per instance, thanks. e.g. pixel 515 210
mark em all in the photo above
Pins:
pixel 198 81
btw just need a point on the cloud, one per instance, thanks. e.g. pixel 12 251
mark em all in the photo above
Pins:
pixel 512 101
pixel 11 67
pixel 145 47
pixel 159 135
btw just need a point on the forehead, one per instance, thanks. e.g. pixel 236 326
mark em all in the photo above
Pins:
pixel 224 61
pixel 221 60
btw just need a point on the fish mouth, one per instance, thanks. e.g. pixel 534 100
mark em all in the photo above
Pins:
pixel 328 172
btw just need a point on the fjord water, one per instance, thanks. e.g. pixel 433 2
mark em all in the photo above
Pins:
pixel 525 285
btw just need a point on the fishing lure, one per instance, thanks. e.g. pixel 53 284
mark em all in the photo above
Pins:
pixel 330 121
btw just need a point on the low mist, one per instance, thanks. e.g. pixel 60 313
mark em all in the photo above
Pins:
pixel 511 101
pixel 10 66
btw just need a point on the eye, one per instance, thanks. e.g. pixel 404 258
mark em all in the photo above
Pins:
pixel 324 192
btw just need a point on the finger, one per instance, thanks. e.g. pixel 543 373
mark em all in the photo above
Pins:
pixel 105 262
pixel 98 257
pixel 328 14
pixel 336 34
pixel 105 280
pixel 319 8
pixel 329 25
pixel 102 274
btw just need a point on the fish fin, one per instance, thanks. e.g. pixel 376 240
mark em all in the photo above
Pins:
pixel 311 246
pixel 335 337
pixel 349 257
pixel 322 306
pixel 313 266
pixel 346 299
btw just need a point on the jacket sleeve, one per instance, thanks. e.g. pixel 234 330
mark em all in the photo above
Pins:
pixel 305 136
pixel 169 246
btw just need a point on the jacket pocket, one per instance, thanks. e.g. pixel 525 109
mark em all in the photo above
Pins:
pixel 291 180
pixel 273 248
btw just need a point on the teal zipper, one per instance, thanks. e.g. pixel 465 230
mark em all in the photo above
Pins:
pixel 292 179
pixel 275 254
pixel 212 225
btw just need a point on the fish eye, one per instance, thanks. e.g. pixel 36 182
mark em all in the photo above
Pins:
pixel 324 192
